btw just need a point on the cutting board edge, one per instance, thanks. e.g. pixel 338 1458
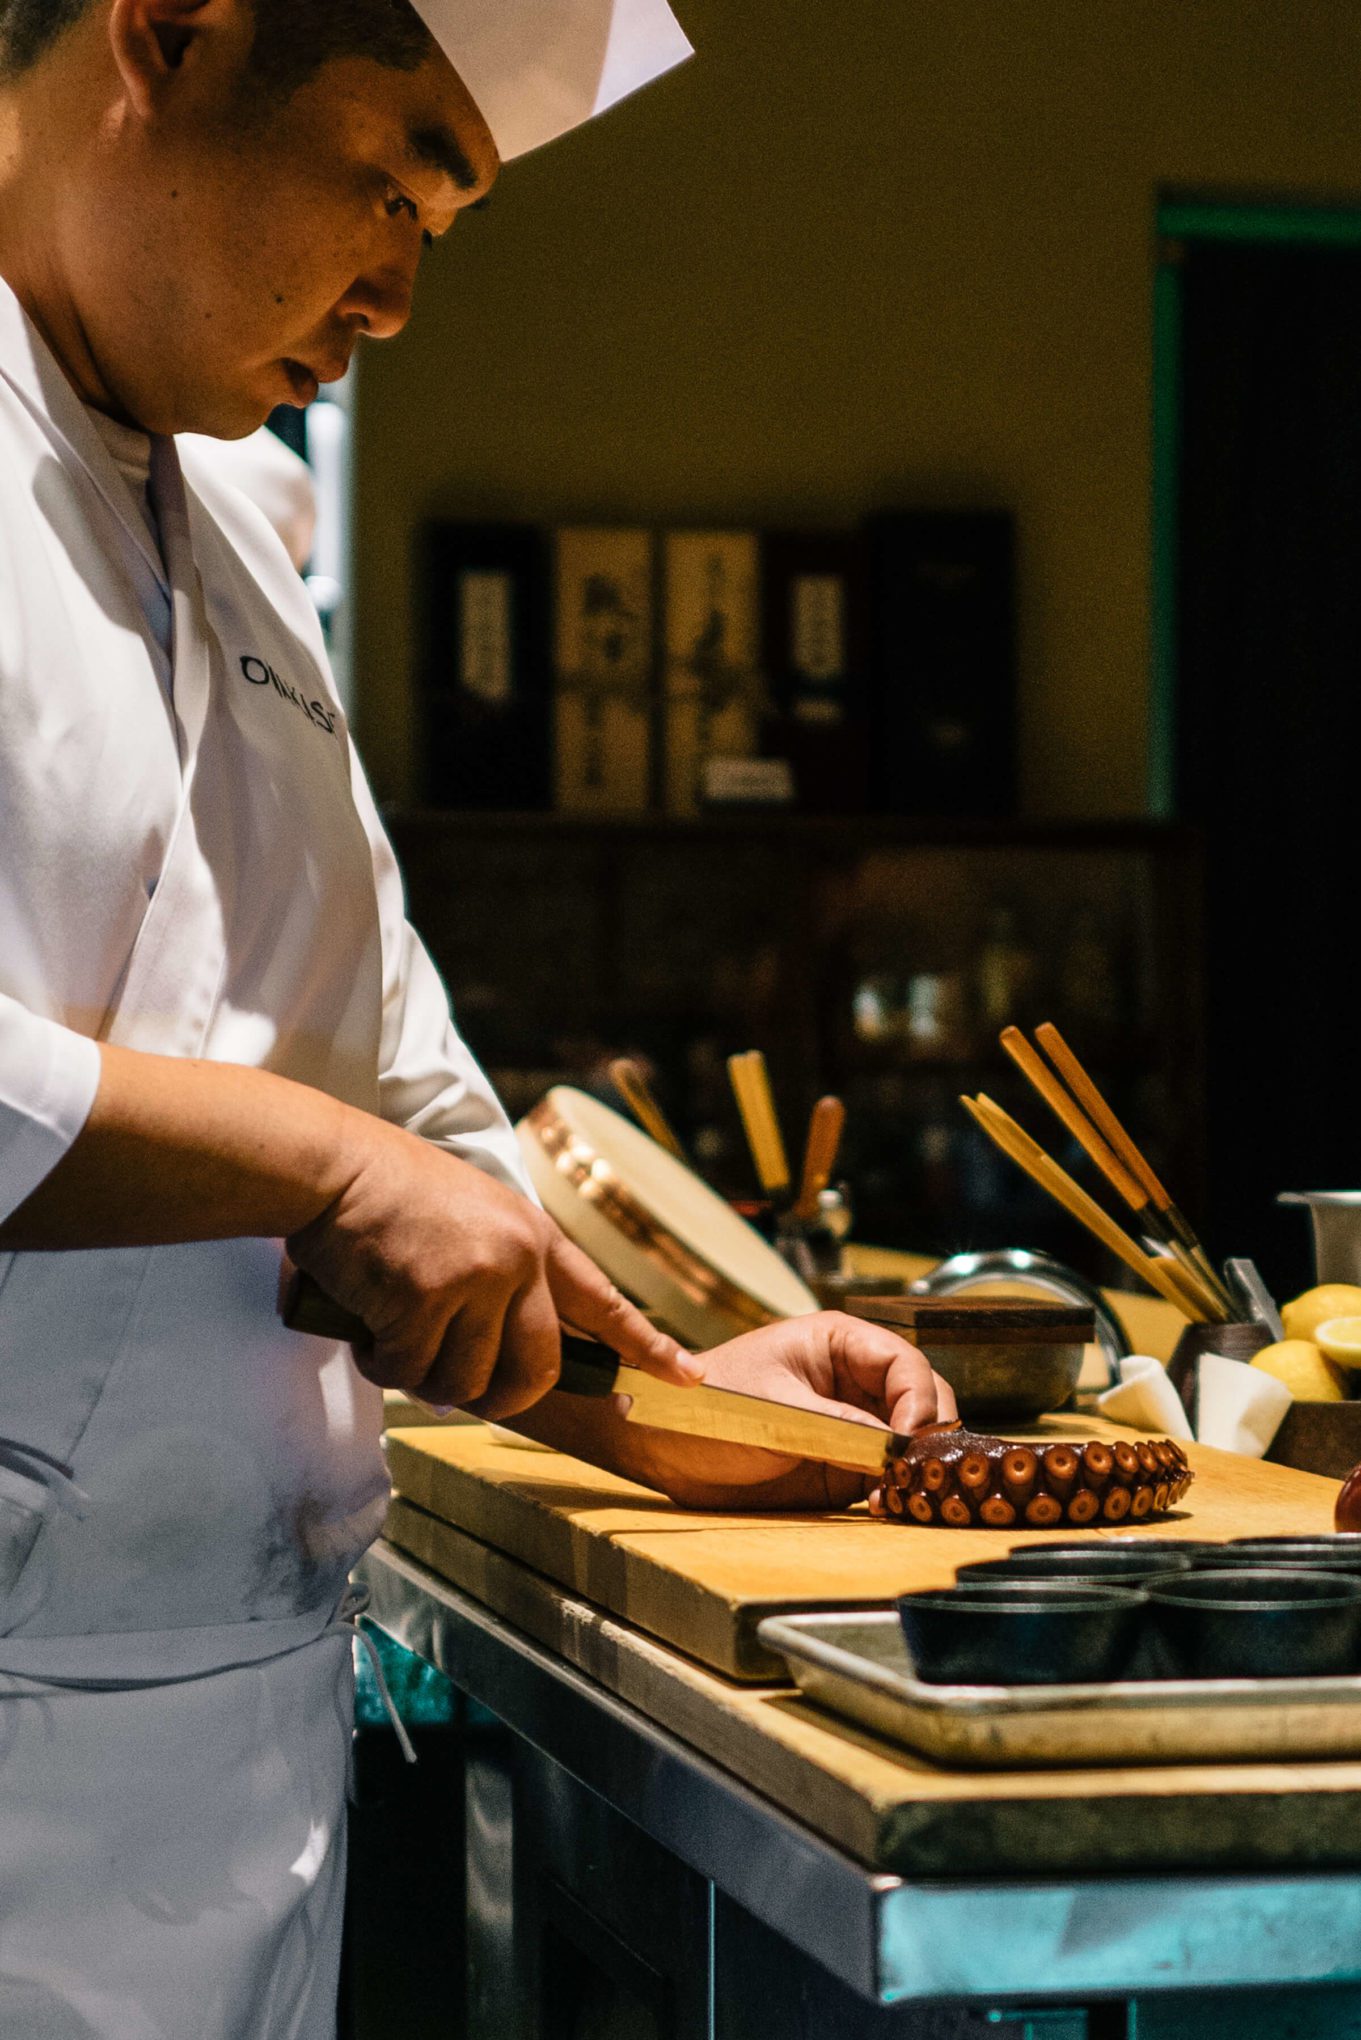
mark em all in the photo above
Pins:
pixel 981 1824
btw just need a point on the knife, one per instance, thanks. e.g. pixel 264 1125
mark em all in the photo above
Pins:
pixel 725 1415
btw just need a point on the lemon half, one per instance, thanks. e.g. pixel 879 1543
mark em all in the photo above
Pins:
pixel 1340 1339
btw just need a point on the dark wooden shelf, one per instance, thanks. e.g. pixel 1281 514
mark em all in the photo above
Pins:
pixel 568 938
pixel 854 831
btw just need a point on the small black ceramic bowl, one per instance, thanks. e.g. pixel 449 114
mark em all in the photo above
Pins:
pixel 1021 1633
pixel 1303 1554
pixel 1092 1565
pixel 1253 1623
pixel 1126 1541
pixel 1197 1551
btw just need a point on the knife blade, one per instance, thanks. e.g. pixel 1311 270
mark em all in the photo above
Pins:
pixel 726 1415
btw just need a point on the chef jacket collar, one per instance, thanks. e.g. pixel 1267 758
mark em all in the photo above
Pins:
pixel 31 369
pixel 540 67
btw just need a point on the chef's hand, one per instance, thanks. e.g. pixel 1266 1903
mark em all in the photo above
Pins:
pixel 839 1365
pixel 462 1282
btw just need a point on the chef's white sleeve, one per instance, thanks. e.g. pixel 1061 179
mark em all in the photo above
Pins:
pixel 48 1079
pixel 429 1080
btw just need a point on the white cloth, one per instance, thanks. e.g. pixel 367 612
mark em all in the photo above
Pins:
pixel 233 1470
pixel 540 67
pixel 1145 1399
pixel 171 1860
pixel 1238 1408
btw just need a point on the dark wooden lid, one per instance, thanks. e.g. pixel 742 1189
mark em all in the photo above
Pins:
pixel 957 1320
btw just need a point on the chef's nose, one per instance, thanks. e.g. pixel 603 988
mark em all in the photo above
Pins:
pixel 378 303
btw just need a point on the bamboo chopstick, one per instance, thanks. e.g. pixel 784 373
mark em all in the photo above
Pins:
pixel 1134 1189
pixel 634 1088
pixel 1182 1270
pixel 1015 1142
pixel 1178 1226
pixel 756 1103
pixel 1033 1069
pixel 1215 1297
pixel 825 1128
pixel 1094 1104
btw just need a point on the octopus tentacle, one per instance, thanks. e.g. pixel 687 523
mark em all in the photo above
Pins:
pixel 947 1475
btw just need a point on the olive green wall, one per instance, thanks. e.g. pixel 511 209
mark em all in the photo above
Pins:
pixel 856 252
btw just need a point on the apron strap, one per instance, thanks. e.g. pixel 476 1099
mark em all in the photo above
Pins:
pixel 50 1473
pixel 346 1622
pixel 32 1486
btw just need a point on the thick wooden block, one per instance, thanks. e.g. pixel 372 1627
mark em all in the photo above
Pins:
pixel 704 1582
pixel 895 1811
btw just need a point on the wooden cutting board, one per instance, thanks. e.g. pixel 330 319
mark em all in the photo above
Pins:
pixel 899 1812
pixel 703 1582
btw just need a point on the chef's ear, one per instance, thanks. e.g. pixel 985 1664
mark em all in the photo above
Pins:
pixel 155 42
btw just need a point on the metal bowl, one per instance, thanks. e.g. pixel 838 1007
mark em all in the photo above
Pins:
pixel 1009 1383
pixel 1013 1266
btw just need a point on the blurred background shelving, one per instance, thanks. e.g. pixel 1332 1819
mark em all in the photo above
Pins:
pixel 876 958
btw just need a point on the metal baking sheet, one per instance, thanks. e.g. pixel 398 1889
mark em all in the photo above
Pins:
pixel 857 1665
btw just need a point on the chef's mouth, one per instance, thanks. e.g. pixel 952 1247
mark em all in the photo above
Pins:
pixel 302 382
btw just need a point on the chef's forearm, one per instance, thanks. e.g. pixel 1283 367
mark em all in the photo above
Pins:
pixel 175 1150
pixel 589 1428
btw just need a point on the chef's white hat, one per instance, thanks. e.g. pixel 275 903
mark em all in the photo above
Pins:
pixel 539 67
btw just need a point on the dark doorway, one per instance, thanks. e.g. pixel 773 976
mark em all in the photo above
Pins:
pixel 1265 708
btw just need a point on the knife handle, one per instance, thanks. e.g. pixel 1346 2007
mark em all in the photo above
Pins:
pixel 305 1307
pixel 587 1368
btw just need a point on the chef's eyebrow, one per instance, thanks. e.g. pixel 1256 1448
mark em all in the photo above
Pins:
pixel 438 148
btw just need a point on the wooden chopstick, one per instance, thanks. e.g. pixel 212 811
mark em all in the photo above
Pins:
pixel 1180 1269
pixel 1193 1275
pixel 756 1103
pixel 1032 1067
pixel 634 1088
pixel 1177 1226
pixel 1012 1139
pixel 825 1128
pixel 1130 1153
pixel 1015 1142
pixel 1134 1189
pixel 1093 1103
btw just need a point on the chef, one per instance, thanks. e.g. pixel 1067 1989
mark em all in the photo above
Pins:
pixel 218 1032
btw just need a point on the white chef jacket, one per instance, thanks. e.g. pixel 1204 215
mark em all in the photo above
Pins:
pixel 184 1485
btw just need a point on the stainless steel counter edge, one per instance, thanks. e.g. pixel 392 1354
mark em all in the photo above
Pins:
pixel 889 1939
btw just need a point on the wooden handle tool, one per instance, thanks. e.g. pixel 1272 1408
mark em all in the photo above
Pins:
pixel 1177 1228
pixel 1016 1143
pixel 634 1088
pixel 1201 1280
pixel 756 1103
pixel 1184 1275
pixel 304 1306
pixel 1033 1069
pixel 825 1129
